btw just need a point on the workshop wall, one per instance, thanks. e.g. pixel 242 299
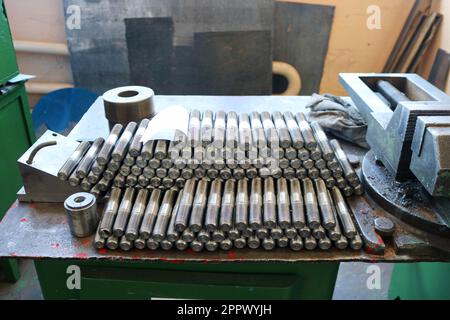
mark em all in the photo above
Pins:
pixel 441 41
pixel 351 48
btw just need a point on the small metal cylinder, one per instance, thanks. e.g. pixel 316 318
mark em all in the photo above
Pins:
pixel 296 244
pixel 213 207
pixel 197 246
pixel 262 233
pixel 139 243
pixel 121 147
pixel 348 226
pixel 166 244
pixel 147 150
pixel 211 245
pixel 318 232
pixel 268 243
pixel 124 212
pixel 283 242
pixel 152 244
pixel 89 158
pixel 99 242
pixel 105 152
pixel 240 243
pixel 136 216
pixel 71 163
pixel 297 206
pixel 161 149
pixel 232 130
pixel 228 204
pixel 271 133
pixel 112 243
pixel 325 243
pixel 310 243
pixel 282 129
pixel 310 200
pixel 294 130
pixel 304 232
pixel 194 128
pixel 258 135
pixel 356 243
pixel 245 133
pixel 184 210
pixel 269 203
pixel 109 213
pixel 125 244
pixel 307 133
pixel 181 245
pixel 219 129
pixel 206 129
pixel 325 205
pixel 347 168
pixel 226 244
pixel 276 233
pixel 256 203
pixel 171 234
pixel 136 144
pixel 322 141
pixel 199 206
pixel 284 215
pixel 253 242
pixel 187 235
pixel 241 216
pixel 81 210
pixel 150 214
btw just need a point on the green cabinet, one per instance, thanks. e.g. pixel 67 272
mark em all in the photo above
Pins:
pixel 8 63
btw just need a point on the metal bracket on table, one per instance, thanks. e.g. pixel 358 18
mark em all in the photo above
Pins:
pixel 39 167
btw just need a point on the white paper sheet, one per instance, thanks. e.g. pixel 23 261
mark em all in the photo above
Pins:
pixel 167 123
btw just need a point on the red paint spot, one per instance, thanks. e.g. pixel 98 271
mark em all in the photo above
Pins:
pixel 190 251
pixel 55 245
pixel 231 254
pixel 81 255
pixel 102 251
pixel 33 205
pixel 13 254
pixel 24 220
pixel 174 261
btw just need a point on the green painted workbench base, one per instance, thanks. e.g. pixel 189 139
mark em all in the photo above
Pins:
pixel 176 279
pixel 414 281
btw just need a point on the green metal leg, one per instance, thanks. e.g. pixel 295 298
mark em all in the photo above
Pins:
pixel 144 280
pixel 422 281
pixel 10 269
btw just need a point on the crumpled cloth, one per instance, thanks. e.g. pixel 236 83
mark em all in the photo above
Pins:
pixel 338 117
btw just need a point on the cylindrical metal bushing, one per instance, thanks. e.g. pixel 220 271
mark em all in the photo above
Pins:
pixel 130 103
pixel 81 209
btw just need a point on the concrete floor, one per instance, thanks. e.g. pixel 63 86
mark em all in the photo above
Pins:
pixel 351 283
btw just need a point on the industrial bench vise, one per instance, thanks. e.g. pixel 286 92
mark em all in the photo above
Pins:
pixel 407 170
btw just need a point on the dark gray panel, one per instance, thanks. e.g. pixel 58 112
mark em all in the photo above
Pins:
pixel 234 63
pixel 301 34
pixel 98 49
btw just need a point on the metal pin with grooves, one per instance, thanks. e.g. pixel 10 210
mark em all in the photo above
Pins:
pixel 270 132
pixel 139 243
pixel 211 245
pixel 86 185
pixel 325 243
pixel 197 246
pixel 294 130
pixel 171 233
pixel 307 133
pixel 256 203
pixel 123 213
pixel 227 206
pixel 112 243
pixel 325 205
pixel 276 233
pixel 347 168
pixel 125 244
pixel 318 232
pixel 240 243
pixel 109 213
pixel 150 213
pixel 268 243
pixel 226 244
pixel 199 206
pixel 119 181
pixel 282 130
pixel 71 163
pixel 136 144
pixel 296 244
pixel 356 243
pixel 245 133
pixel 105 152
pixel 213 207
pixel 147 150
pixel 89 158
pixel 74 180
pixel 296 197
pixel 242 203
pixel 348 226
pixel 184 209
pixel 121 147
pixel 283 242
pixel 284 215
pixel 194 128
pixel 269 203
pixel 219 129
pixel 310 200
pixel 206 129
pixel 258 135
pixel 336 233
pixel 99 242
pixel 137 213
pixel 160 151
pixel 232 130
pixel 322 141
pixel 152 244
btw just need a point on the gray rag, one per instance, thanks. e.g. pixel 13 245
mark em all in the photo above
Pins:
pixel 338 117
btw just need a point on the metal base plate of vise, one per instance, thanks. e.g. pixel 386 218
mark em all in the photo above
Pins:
pixel 408 200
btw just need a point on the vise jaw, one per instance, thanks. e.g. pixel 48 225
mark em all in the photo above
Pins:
pixel 408 137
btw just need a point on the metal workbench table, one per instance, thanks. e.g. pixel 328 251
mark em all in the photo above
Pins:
pixel 39 231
